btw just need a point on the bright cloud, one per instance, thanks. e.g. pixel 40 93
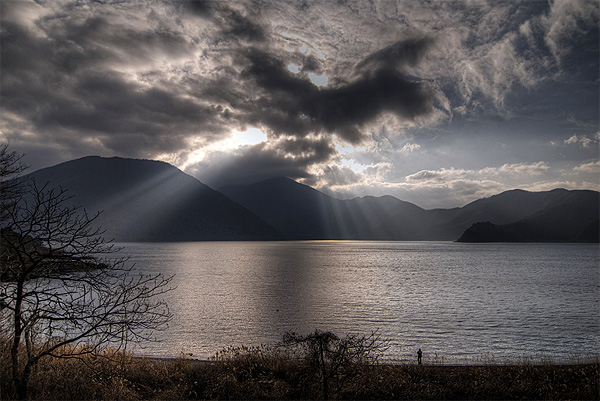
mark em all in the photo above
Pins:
pixel 448 174
pixel 251 136
pixel 592 167
pixel 517 168
pixel 410 147
pixel 582 141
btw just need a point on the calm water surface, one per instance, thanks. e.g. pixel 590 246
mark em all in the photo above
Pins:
pixel 458 302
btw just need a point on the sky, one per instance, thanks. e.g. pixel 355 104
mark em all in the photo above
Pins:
pixel 438 103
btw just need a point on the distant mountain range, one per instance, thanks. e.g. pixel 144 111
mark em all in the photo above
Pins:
pixel 300 212
pixel 145 200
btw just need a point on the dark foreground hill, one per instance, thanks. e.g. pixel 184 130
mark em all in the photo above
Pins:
pixel 145 200
pixel 301 212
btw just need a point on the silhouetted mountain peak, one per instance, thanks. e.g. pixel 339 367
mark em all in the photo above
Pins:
pixel 147 200
pixel 278 181
pixel 283 183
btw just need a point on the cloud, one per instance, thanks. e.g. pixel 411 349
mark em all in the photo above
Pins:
pixel 410 147
pixel 582 141
pixel 72 78
pixel 235 20
pixel 247 166
pixel 406 52
pixel 591 167
pixel 427 194
pixel 445 187
pixel 442 175
pixel 482 53
pixel 285 157
pixel 202 8
pixel 293 105
pixel 522 169
pixel 335 176
pixel 242 27
pixel 449 174
pixel 408 84
pixel 570 185
pixel 567 20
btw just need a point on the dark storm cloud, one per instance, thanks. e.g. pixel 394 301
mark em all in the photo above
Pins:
pixel 202 8
pixel 310 64
pixel 261 162
pixel 270 73
pixel 23 56
pixel 292 105
pixel 308 151
pixel 347 108
pixel 239 26
pixel 232 22
pixel 116 106
pixel 74 43
pixel 72 79
pixel 396 56
pixel 69 81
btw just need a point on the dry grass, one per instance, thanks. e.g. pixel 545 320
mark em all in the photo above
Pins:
pixel 262 373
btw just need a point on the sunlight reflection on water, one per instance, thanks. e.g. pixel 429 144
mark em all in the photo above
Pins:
pixel 458 302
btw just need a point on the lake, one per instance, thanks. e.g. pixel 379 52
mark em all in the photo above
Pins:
pixel 459 303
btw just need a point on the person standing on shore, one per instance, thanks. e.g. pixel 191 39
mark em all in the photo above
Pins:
pixel 419 356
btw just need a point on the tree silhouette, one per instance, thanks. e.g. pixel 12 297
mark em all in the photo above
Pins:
pixel 334 358
pixel 64 290
pixel 10 168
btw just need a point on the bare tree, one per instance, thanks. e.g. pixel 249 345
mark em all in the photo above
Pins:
pixel 10 185
pixel 335 358
pixel 64 290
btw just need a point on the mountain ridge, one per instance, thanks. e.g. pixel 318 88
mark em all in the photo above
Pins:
pixel 387 217
pixel 147 200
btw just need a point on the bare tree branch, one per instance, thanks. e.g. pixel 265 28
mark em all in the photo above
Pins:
pixel 64 290
pixel 333 357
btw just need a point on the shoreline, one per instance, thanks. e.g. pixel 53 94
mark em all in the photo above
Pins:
pixel 396 363
pixel 578 361
pixel 254 374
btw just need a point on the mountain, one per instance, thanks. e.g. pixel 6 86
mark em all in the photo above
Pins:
pixel 144 200
pixel 561 216
pixel 590 233
pixel 301 212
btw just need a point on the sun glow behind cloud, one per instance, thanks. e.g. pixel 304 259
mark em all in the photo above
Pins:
pixel 347 154
pixel 251 136
pixel 354 165
pixel 236 140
